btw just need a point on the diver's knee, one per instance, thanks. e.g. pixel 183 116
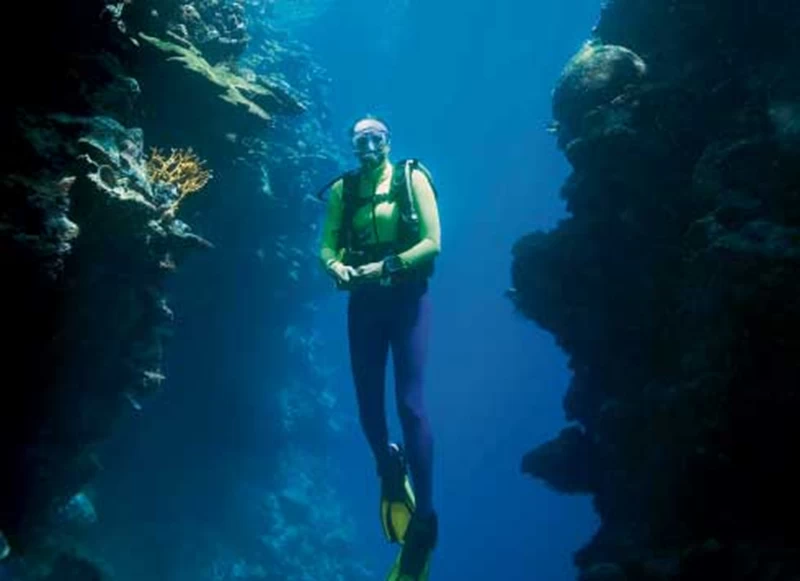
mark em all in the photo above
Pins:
pixel 412 417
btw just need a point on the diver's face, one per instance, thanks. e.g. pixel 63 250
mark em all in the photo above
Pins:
pixel 371 144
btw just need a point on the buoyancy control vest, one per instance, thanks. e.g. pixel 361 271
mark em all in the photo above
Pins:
pixel 356 252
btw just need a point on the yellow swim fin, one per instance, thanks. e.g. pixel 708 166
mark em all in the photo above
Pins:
pixel 396 575
pixel 414 561
pixel 397 498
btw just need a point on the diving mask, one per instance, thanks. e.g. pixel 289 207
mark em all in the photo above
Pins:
pixel 370 143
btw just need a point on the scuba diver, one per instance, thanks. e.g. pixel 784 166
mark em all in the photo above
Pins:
pixel 379 241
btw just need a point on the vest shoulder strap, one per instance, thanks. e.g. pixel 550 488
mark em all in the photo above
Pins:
pixel 409 165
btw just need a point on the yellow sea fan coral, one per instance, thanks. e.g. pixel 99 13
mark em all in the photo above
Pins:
pixel 182 168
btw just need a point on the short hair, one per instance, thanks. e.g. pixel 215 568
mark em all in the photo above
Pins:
pixel 369 117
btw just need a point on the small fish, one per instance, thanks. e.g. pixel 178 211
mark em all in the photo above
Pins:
pixel 78 511
pixel 134 404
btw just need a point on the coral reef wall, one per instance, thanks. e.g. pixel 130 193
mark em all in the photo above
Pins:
pixel 673 287
pixel 157 228
pixel 84 257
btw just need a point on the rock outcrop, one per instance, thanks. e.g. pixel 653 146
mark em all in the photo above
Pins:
pixel 85 254
pixel 673 287
pixel 94 235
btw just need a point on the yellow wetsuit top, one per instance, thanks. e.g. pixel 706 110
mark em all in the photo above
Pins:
pixel 382 226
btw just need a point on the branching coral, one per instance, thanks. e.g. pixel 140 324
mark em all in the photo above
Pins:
pixel 181 169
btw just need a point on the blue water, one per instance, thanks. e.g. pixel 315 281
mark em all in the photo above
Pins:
pixel 466 87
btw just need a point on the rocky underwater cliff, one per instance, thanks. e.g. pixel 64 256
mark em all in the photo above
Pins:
pixel 157 224
pixel 674 288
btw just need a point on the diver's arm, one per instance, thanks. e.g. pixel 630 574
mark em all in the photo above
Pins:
pixel 329 250
pixel 430 243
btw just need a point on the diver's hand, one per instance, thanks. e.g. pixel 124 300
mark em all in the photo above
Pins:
pixel 370 271
pixel 341 273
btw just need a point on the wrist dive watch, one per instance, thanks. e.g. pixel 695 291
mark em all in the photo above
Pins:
pixel 391 265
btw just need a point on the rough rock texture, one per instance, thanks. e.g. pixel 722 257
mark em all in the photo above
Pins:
pixel 673 287
pixel 90 255
pixel 83 257
pixel 240 98
pixel 219 29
